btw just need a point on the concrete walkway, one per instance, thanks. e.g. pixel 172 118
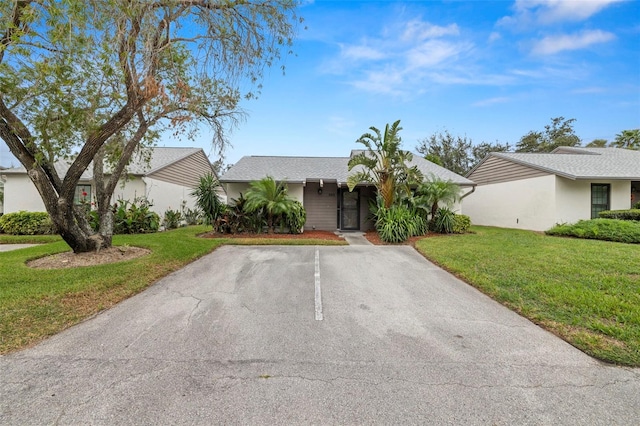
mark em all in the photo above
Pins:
pixel 9 247
pixel 233 338
pixel 355 238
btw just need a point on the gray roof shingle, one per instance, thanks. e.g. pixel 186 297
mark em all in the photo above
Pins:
pixel 302 169
pixel 160 158
pixel 582 163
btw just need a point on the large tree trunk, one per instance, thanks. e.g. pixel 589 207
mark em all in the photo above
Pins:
pixel 71 223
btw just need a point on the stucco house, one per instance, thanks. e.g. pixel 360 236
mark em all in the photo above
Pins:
pixel 166 181
pixel 537 191
pixel 320 184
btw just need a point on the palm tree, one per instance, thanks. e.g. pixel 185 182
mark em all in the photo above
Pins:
pixel 434 190
pixel 384 164
pixel 207 198
pixel 268 195
pixel 629 139
pixel 598 143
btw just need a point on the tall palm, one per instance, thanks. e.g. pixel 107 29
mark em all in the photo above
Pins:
pixel 207 198
pixel 269 195
pixel 383 164
pixel 434 191
pixel 629 139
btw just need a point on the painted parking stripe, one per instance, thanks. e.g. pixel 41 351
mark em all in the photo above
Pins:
pixel 318 296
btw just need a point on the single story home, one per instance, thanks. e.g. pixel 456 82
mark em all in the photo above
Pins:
pixel 320 184
pixel 537 191
pixel 167 180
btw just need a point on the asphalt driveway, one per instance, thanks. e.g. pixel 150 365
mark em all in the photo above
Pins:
pixel 290 335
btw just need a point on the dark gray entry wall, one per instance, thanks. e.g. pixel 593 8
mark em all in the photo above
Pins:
pixel 321 208
pixel 367 193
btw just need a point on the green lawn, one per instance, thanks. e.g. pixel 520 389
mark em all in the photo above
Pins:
pixel 586 291
pixel 37 303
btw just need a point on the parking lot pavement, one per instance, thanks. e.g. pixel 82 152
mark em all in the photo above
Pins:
pixel 234 338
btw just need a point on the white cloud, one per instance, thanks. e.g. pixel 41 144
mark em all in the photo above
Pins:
pixel 361 52
pixel 397 59
pixel 417 30
pixel 491 101
pixel 494 36
pixel 388 81
pixel 589 90
pixel 547 12
pixel 433 52
pixel 554 44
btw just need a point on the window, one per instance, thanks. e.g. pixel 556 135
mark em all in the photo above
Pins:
pixel 599 198
pixel 83 193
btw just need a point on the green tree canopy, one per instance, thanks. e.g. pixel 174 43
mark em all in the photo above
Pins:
pixel 629 139
pixel 456 153
pixel 87 80
pixel 384 164
pixel 559 133
pixel 598 143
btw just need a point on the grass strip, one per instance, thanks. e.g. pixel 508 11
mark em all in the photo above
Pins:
pixel 585 291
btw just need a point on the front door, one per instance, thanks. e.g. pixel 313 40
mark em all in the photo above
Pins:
pixel 350 209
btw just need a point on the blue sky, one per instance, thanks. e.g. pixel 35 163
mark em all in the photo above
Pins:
pixel 492 71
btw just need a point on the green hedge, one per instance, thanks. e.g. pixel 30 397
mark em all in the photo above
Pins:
pixel 632 214
pixel 26 223
pixel 623 231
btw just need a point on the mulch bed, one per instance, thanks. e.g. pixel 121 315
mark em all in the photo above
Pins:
pixel 306 235
pixel 374 238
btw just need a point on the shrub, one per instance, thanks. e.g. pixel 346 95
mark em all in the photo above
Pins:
pixel 461 224
pixel 632 214
pixel 636 206
pixel 207 199
pixel 398 222
pixel 171 219
pixel 623 231
pixel 27 223
pixel 444 222
pixel 134 217
pixel 295 218
pixel 192 216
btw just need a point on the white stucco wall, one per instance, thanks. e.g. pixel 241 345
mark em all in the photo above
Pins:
pixel 523 204
pixel 234 190
pixel 165 196
pixel 21 194
pixel 132 189
pixel 573 198
pixel 296 191
pixel 620 194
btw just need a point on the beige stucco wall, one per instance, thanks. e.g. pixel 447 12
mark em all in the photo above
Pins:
pixel 524 204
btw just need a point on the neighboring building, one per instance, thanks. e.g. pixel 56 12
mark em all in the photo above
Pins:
pixel 320 184
pixel 166 181
pixel 537 191
pixel 1 190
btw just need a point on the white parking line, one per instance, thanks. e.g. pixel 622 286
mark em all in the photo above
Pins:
pixel 318 297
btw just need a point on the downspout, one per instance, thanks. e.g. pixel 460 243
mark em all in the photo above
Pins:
pixel 473 189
